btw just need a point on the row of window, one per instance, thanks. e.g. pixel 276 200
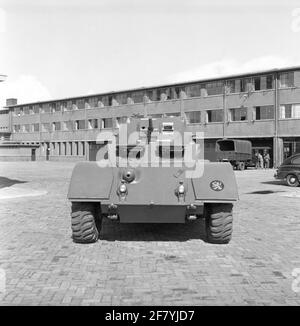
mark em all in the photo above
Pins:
pixel 266 112
pixel 162 94
pixel 64 148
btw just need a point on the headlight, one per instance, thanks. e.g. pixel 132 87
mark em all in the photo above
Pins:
pixel 181 189
pixel 122 189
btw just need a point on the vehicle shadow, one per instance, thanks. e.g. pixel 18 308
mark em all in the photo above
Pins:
pixel 6 182
pixel 275 182
pixel 115 231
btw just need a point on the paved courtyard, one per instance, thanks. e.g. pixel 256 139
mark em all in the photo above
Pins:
pixel 144 264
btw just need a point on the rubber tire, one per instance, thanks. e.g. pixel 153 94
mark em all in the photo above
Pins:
pixel 218 220
pixel 241 166
pixel 296 184
pixel 85 222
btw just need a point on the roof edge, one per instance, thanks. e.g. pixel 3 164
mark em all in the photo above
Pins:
pixel 226 77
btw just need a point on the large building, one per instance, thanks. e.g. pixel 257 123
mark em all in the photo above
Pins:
pixel 263 107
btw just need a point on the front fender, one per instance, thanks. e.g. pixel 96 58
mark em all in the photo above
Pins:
pixel 90 182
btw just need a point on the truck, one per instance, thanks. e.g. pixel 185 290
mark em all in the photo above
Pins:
pixel 235 151
pixel 119 185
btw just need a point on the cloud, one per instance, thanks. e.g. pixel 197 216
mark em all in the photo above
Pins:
pixel 227 67
pixel 26 88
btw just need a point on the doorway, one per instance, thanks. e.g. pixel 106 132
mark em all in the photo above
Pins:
pixel 47 151
pixel 33 154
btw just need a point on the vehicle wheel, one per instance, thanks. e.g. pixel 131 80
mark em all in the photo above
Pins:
pixel 292 180
pixel 218 220
pixel 86 222
pixel 241 166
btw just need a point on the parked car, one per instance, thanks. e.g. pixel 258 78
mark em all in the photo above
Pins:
pixel 289 170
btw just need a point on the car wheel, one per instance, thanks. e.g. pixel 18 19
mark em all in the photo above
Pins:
pixel 292 180
pixel 218 220
pixel 86 222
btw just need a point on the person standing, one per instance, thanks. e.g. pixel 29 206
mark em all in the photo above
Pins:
pixel 260 161
pixel 256 159
pixel 266 158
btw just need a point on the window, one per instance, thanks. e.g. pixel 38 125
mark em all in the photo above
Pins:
pixel 80 104
pixel 238 114
pixel 264 112
pixel 107 123
pixel 69 105
pixel 26 109
pixel 121 98
pixel 93 102
pixel 56 126
pixel 296 160
pixel 71 148
pixel 137 97
pixel 59 148
pixel 17 112
pixel 57 107
pixel 79 124
pixel 76 148
pixel 83 148
pixel 17 128
pixel 288 111
pixel 193 117
pixel 114 102
pixel 93 124
pixel 257 83
pixel 216 115
pixel 52 107
pixel 27 128
pixel 247 85
pixel 45 108
pixel 233 86
pixel 193 90
pixel 64 106
pixel 68 125
pixel 150 95
pixel 46 127
pixel 36 127
pixel 286 79
pixel 263 82
pixel 36 109
pixel 214 88
pixel 104 100
pixel 269 81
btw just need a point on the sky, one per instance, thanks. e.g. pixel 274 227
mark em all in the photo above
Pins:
pixel 62 48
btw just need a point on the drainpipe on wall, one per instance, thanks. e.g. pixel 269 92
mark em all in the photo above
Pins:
pixel 224 109
pixel 276 111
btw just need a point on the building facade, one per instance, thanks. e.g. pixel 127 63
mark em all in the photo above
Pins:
pixel 263 107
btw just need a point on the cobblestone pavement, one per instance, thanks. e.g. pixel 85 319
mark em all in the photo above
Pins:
pixel 144 264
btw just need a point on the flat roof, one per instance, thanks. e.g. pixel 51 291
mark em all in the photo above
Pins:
pixel 226 77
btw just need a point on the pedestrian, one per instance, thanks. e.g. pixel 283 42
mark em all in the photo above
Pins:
pixel 266 158
pixel 260 161
pixel 256 160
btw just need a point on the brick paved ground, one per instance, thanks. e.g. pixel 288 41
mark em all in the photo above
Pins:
pixel 145 264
